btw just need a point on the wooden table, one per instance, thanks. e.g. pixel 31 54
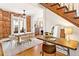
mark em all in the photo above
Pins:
pixel 72 44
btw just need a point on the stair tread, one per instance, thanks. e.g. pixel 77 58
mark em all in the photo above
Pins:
pixel 62 7
pixel 77 17
pixel 49 4
pixel 70 11
pixel 55 4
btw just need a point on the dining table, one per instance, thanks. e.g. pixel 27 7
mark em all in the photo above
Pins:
pixel 71 44
pixel 28 36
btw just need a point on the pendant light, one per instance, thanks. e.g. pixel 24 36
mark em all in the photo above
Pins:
pixel 24 15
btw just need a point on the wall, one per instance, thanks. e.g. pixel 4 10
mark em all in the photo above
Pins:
pixel 52 19
pixel 5 27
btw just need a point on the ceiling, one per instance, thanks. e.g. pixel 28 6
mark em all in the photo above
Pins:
pixel 31 8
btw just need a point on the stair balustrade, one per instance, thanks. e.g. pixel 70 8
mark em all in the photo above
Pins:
pixel 71 6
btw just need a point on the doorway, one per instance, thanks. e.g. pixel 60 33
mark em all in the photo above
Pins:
pixel 39 28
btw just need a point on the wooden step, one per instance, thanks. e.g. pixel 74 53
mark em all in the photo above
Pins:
pixel 73 11
pixel 76 17
pixel 45 4
pixel 70 13
pixel 62 9
pixel 55 4
pixel 76 20
pixel 48 4
pixel 51 5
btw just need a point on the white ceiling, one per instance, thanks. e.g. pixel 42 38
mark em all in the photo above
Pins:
pixel 31 8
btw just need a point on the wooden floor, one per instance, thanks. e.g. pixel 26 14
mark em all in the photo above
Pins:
pixel 35 51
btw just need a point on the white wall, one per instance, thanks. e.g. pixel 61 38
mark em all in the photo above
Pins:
pixel 53 19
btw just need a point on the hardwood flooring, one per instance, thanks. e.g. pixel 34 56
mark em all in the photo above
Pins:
pixel 35 51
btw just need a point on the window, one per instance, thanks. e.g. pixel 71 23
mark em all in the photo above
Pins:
pixel 17 25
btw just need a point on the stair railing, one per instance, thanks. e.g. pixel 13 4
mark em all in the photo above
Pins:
pixel 71 7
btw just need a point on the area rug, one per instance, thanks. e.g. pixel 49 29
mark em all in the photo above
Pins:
pixel 11 49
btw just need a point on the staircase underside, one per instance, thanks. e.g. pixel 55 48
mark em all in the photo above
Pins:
pixel 63 12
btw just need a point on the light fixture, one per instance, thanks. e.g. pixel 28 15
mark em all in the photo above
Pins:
pixel 24 15
pixel 24 12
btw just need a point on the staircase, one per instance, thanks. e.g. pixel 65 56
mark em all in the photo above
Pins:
pixel 63 11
